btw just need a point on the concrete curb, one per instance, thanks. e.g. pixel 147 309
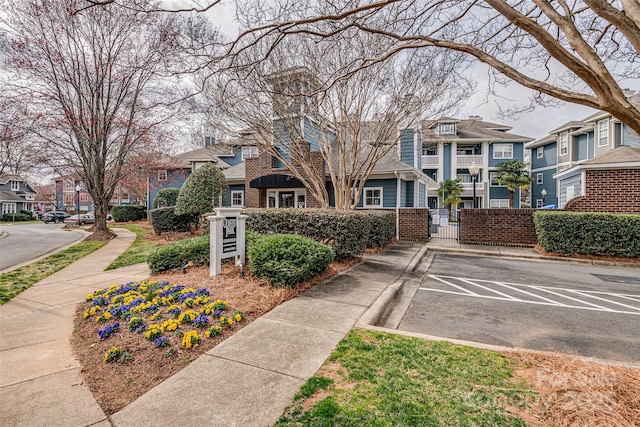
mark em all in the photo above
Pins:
pixel 534 257
pixel 383 306
pixel 497 348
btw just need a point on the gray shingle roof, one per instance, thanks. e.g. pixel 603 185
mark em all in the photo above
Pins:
pixel 473 129
pixel 624 154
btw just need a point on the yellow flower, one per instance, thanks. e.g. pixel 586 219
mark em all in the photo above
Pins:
pixel 238 317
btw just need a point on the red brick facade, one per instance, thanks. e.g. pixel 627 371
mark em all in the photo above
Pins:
pixel 612 190
pixel 500 227
pixel 414 223
pixel 262 166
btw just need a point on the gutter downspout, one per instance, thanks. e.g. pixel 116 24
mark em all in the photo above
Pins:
pixel 397 204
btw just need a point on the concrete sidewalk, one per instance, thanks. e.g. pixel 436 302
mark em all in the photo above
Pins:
pixel 247 380
pixel 40 381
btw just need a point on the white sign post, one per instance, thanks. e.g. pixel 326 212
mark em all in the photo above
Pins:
pixel 227 238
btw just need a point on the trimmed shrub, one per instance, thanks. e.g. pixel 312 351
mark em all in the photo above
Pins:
pixel 164 220
pixel 166 197
pixel 287 260
pixel 347 233
pixel 127 213
pixel 180 253
pixel 203 190
pixel 16 217
pixel 383 228
pixel 570 233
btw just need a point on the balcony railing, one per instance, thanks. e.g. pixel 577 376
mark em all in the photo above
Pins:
pixel 467 160
pixel 430 161
pixel 469 185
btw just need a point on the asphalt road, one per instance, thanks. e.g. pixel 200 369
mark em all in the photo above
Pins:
pixel 571 308
pixel 24 243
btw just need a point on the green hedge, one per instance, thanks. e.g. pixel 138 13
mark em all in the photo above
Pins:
pixel 17 217
pixel 180 253
pixel 127 213
pixel 164 220
pixel 570 233
pixel 287 260
pixel 347 233
pixel 166 197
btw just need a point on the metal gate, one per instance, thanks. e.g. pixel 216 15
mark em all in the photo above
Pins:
pixel 444 225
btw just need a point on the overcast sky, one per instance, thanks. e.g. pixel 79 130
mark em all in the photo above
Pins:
pixel 535 124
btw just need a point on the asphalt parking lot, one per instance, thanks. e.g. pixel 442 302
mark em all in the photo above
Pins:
pixel 571 308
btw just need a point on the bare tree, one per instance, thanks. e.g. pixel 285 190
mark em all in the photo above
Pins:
pixel 580 51
pixel 19 150
pixel 94 79
pixel 298 107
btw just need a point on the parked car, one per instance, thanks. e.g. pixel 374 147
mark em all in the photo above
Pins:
pixel 84 219
pixel 55 217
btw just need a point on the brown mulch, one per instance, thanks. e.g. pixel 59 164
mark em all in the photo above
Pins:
pixel 630 260
pixel 575 392
pixel 115 385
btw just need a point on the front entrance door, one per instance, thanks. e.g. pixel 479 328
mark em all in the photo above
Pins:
pixel 286 199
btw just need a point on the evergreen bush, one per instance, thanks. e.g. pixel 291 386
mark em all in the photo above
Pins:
pixel 178 254
pixel 127 213
pixel 164 220
pixel 203 190
pixel 570 233
pixel 287 260
pixel 166 197
pixel 347 232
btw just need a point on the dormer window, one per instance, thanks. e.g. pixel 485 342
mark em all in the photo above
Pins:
pixel 15 185
pixel 447 129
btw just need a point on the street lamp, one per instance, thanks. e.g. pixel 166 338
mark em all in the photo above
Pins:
pixel 78 200
pixel 544 193
pixel 474 169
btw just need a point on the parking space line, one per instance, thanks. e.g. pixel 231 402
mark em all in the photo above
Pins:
pixel 587 294
pixel 467 291
pixel 489 289
pixel 531 294
pixel 583 303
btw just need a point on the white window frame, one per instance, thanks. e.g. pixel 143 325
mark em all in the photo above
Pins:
pixel 539 152
pixel 249 152
pixel 162 175
pixel 69 186
pixel 15 185
pixel 539 203
pixel 446 129
pixel 493 177
pixel 505 151
pixel 563 142
pixel 499 203
pixel 366 197
pixel 539 178
pixel 9 208
pixel 235 193
pixel 603 128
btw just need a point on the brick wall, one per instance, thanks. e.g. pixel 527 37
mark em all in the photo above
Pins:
pixel 262 165
pixel 500 227
pixel 614 190
pixel 414 223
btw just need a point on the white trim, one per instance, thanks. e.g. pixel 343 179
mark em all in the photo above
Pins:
pixel 546 168
pixel 162 172
pixel 503 154
pixel 499 202
pixel 540 152
pixel 250 154
pixel 608 131
pixel 364 197
pixel 235 192
pixel 15 185
pixel 490 180
pixel 539 178
pixel 563 141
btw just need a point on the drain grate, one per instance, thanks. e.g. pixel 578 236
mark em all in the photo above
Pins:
pixel 618 279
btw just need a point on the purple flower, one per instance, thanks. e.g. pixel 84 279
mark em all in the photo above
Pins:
pixel 161 342
pixel 109 330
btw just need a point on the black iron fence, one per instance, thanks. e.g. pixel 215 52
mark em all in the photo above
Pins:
pixel 444 225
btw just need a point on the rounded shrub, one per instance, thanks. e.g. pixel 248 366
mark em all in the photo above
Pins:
pixel 287 259
pixel 126 213
pixel 203 190
pixel 180 253
pixel 166 197
pixel 165 220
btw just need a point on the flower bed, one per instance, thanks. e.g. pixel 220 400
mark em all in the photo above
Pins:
pixel 177 312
